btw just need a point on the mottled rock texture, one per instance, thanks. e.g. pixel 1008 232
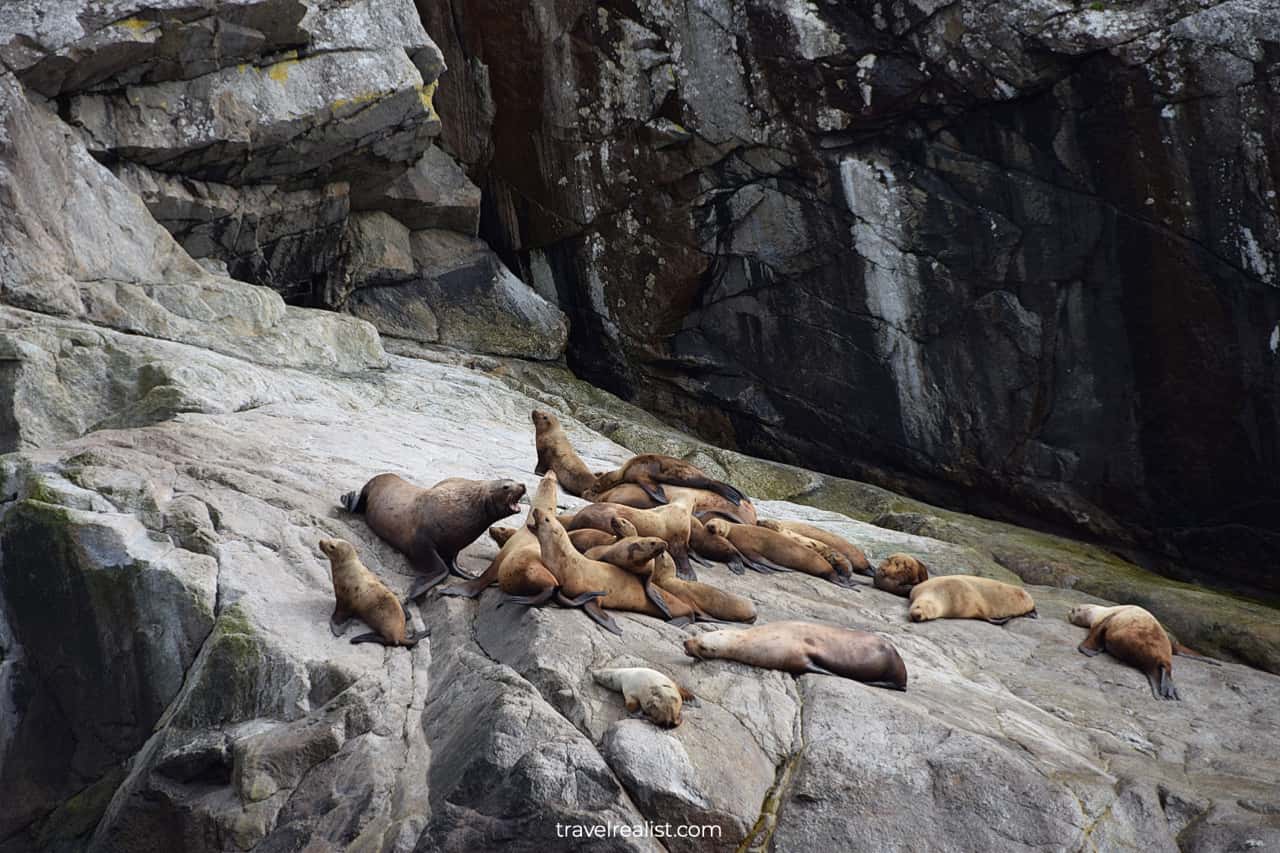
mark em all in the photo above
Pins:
pixel 1020 257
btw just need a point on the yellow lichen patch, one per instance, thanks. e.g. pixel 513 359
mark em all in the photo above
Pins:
pixel 428 93
pixel 280 71
pixel 363 98
pixel 137 25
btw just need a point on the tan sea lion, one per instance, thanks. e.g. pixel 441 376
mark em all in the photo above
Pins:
pixel 704 546
pixel 705 504
pixel 633 553
pixel 715 603
pixel 580 577
pixel 837 560
pixel 430 526
pixel 1132 635
pixel 583 540
pixel 969 597
pixel 857 559
pixel 899 573
pixel 647 691
pixel 671 522
pixel 359 594
pixel 651 471
pixel 500 535
pixel 555 453
pixel 798 647
pixel 767 551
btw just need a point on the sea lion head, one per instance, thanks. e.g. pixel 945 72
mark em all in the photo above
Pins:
pixel 504 497
pixel 707 645
pixel 642 549
pixel 923 609
pixel 1082 615
pixel 662 704
pixel 538 518
pixel 543 420
pixel 622 528
pixel 717 526
pixel 337 549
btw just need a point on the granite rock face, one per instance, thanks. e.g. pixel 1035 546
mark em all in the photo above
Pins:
pixel 1019 257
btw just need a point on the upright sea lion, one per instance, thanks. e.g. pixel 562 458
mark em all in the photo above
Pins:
pixel 650 471
pixel 1132 635
pixel 709 600
pixel 648 691
pixel 969 597
pixel 670 522
pixel 555 453
pixel 857 559
pixel 899 573
pixel 767 550
pixel 837 560
pixel 359 594
pixel 798 647
pixel 430 526
pixel 705 504
pixel 580 577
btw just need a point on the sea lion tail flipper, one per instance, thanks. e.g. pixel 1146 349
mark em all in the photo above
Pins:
pixel 471 589
pixel 339 622
pixel 353 502
pixel 681 621
pixel 423 584
pixel 651 592
pixel 722 489
pixel 579 601
pixel 999 620
pixel 371 637
pixel 416 637
pixel 887 685
pixel 817 670
pixel 1032 614
pixel 533 600
pixel 593 609
pixel 1183 651
pixel 736 566
pixel 1161 681
pixel 695 557
pixel 684 570
pixel 687 696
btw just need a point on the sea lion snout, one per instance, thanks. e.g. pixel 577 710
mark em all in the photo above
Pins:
pixel 693 647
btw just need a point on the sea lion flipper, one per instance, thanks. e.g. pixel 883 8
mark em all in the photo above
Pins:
pixel 817 670
pixel 1095 643
pixel 1161 682
pixel 604 620
pixel 580 600
pixel 416 637
pixel 533 600
pixel 654 490
pixel 681 621
pixel 687 696
pixel 651 592
pixel 1032 614
pixel 1183 651
pixel 999 621
pixel 371 637
pixel 353 502
pixel 423 584
pixel 455 569
pixel 735 565
pixel 339 622
pixel 684 570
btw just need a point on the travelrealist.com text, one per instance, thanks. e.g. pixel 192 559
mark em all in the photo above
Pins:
pixel 647 829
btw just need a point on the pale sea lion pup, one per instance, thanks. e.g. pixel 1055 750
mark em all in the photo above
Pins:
pixel 799 647
pixel 359 594
pixel 430 526
pixel 969 597
pixel 899 574
pixel 647 691
pixel 1132 635
pixel 555 453
pixel 651 471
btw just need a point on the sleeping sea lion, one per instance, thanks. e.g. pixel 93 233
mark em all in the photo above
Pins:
pixel 555 453
pixel 1132 635
pixel 716 603
pixel 799 647
pixel 837 560
pixel 899 573
pixel 670 522
pixel 430 526
pixel 705 504
pixel 969 597
pixel 359 594
pixel 650 471
pixel 647 691
pixel 767 550
pixel 857 559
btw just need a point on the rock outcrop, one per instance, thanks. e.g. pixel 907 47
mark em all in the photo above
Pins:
pixel 1019 257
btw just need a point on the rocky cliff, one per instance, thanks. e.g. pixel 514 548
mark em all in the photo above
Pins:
pixel 175 439
pixel 1022 257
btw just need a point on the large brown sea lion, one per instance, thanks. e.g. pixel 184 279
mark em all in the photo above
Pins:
pixel 798 647
pixel 580 577
pixel 555 453
pixel 705 504
pixel 767 550
pixel 709 600
pixel 670 523
pixel 1132 635
pixel 969 597
pixel 430 526
pixel 651 471
pixel 646 691
pixel 899 574
pixel 857 559
pixel 359 594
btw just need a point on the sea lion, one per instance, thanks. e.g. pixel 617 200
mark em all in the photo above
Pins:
pixel 798 647
pixel 717 604
pixel 969 597
pixel 704 504
pixel 581 577
pixel 359 594
pixel 704 546
pixel 857 559
pixel 1132 635
pixel 647 691
pixel 583 540
pixel 500 535
pixel 430 526
pixel 650 471
pixel 555 453
pixel 518 568
pixel 671 522
pixel 633 553
pixel 899 573
pixel 837 560
pixel 767 550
